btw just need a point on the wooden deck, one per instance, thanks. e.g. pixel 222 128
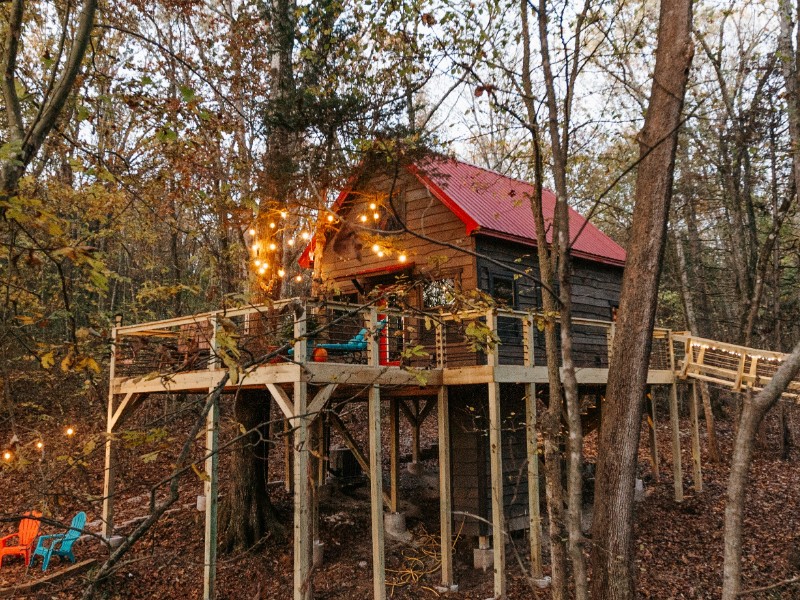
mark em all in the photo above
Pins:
pixel 408 355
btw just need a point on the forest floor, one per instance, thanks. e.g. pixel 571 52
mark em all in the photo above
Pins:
pixel 678 546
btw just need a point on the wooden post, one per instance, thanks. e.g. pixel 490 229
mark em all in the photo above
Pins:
pixel 288 457
pixel 415 428
pixel 445 492
pixel 698 469
pixel 376 475
pixel 210 485
pixel 532 444
pixel 496 469
pixel 110 472
pixel 394 452
pixel 677 470
pixel 652 431
pixel 303 522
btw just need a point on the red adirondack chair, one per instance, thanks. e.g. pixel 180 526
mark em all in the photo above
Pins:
pixel 28 530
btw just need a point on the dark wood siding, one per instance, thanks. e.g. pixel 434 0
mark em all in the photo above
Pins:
pixel 471 473
pixel 595 289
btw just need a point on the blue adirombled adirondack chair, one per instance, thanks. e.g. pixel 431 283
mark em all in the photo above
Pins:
pixel 59 544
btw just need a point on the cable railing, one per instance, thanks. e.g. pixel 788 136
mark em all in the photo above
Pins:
pixel 342 333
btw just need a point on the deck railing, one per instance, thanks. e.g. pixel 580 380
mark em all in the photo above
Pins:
pixel 341 333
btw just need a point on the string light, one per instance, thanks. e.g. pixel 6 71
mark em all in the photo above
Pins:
pixel 402 258
pixel 380 254
pixel 70 432
pixel 255 247
pixel 330 218
pixel 272 246
pixel 7 455
pixel 251 231
pixel 284 214
pixel 363 218
pixel 40 445
pixel 376 248
pixel 290 242
pixel 376 216
pixel 257 262
pixel 272 225
pixel 281 272
pixel 373 206
pixel 299 278
pixel 305 235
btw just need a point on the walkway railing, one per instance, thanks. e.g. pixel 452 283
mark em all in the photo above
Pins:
pixel 728 365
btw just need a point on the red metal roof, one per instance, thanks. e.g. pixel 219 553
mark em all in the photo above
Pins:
pixel 496 205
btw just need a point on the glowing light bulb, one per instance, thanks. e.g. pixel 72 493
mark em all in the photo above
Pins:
pixel 255 247
pixel 376 248
pixel 299 278
pixel 380 254
pixel 290 243
pixel 7 455
pixel 402 258
pixel 257 263
pixel 305 235
pixel 330 218
pixel 281 272
pixel 284 214
pixel 262 270
pixel 70 431
pixel 373 206
pixel 40 445
pixel 272 246
pixel 363 218
pixel 376 216
pixel 251 231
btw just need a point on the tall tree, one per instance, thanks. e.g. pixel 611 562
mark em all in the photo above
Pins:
pixel 612 554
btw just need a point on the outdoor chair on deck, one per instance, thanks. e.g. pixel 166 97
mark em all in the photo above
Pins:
pixel 27 532
pixel 59 544
pixel 352 349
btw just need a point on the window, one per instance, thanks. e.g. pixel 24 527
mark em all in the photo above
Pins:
pixel 441 292
pixel 503 291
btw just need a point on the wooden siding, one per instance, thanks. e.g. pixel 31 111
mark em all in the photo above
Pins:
pixel 469 447
pixel 595 289
pixel 424 214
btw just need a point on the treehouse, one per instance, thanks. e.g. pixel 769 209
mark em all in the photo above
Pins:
pixel 426 302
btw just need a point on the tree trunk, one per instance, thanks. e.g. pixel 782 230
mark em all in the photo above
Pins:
pixel 691 322
pixel 612 555
pixel 247 515
pixel 752 414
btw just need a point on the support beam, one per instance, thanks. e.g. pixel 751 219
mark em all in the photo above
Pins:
pixel 652 434
pixel 496 468
pixel 282 400
pixel 321 399
pixel 303 526
pixel 109 482
pixel 677 470
pixel 696 459
pixel 394 452
pixel 376 471
pixel 376 495
pixel 445 491
pixel 211 491
pixel 211 484
pixel 535 532
pixel 415 426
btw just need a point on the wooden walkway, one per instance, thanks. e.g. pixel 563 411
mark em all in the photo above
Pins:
pixel 733 367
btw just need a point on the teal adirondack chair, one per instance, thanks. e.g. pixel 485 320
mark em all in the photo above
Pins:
pixel 59 544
